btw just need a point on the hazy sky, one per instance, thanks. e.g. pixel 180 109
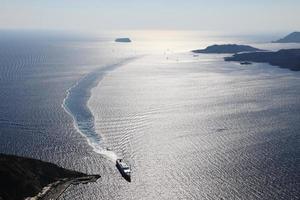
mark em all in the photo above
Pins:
pixel 97 15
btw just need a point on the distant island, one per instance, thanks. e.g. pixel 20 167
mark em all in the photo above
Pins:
pixel 291 38
pixel 24 177
pixel 123 40
pixel 227 48
pixel 285 58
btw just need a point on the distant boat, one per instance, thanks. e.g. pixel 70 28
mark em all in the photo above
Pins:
pixel 124 169
pixel 245 63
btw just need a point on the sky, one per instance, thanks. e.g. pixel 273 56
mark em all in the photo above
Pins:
pixel 97 15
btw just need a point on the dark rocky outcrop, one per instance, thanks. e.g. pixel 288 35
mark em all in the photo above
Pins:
pixel 286 58
pixel 227 48
pixel 123 40
pixel 24 177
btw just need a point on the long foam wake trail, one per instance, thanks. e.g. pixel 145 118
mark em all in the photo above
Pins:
pixel 75 104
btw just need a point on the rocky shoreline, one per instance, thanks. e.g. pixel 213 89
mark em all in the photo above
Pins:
pixel 227 49
pixel 26 178
pixel 285 58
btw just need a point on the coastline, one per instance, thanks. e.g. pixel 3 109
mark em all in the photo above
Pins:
pixel 56 189
pixel 32 179
pixel 284 58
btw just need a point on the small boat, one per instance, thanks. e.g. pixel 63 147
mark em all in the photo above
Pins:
pixel 124 169
pixel 245 63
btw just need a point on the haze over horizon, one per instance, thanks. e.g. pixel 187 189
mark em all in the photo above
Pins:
pixel 94 16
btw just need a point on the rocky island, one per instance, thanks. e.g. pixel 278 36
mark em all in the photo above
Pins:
pixel 285 58
pixel 22 178
pixel 227 48
pixel 291 38
pixel 126 40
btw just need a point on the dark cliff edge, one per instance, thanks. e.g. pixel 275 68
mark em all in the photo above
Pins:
pixel 226 48
pixel 291 38
pixel 285 58
pixel 24 177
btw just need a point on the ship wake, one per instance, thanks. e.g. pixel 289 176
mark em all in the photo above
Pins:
pixel 75 104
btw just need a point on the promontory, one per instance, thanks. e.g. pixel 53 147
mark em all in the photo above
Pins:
pixel 227 48
pixel 285 58
pixel 22 178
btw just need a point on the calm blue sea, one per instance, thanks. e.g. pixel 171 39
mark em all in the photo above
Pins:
pixel 191 127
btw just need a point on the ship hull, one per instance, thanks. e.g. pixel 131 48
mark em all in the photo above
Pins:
pixel 126 176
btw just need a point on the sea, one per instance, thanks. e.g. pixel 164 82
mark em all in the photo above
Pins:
pixel 190 126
